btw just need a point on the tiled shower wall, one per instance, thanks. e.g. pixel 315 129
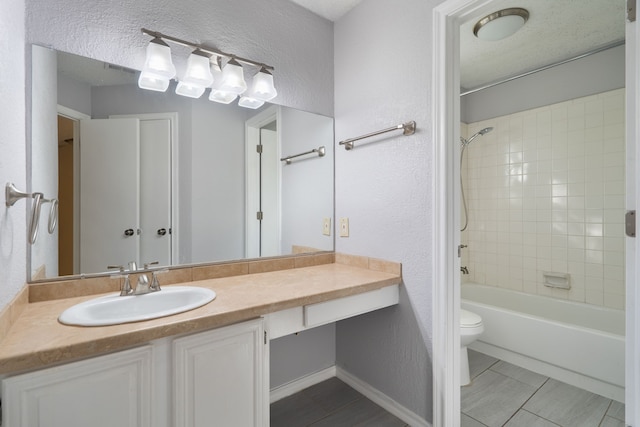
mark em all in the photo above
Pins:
pixel 546 193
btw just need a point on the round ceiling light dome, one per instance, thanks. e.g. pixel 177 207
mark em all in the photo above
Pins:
pixel 501 24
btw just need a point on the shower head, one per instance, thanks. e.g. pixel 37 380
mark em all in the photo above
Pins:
pixel 484 131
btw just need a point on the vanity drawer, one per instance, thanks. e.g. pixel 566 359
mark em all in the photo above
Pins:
pixel 298 319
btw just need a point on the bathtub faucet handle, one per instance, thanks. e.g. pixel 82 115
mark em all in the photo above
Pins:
pixel 460 247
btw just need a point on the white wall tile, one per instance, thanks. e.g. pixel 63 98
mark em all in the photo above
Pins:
pixel 546 192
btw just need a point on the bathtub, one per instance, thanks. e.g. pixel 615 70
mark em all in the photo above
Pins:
pixel 576 343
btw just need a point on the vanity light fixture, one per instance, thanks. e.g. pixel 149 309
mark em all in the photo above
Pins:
pixel 158 68
pixel 233 78
pixel 216 94
pixel 250 102
pixel 204 71
pixel 197 77
pixel 501 24
pixel 262 87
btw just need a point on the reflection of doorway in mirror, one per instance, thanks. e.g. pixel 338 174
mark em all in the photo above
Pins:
pixel 65 195
pixel 263 207
pixel 269 238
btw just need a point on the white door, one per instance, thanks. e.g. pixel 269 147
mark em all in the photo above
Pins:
pixel 109 193
pixel 269 164
pixel 155 191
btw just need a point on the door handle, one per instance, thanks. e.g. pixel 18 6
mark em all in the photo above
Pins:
pixel 162 231
pixel 129 232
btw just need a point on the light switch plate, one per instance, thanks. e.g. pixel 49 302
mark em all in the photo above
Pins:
pixel 344 227
pixel 326 226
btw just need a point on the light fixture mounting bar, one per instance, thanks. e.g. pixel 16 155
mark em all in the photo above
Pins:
pixel 204 48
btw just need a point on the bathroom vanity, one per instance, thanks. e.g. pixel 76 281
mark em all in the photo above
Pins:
pixel 207 365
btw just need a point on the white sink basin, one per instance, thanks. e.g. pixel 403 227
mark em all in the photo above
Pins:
pixel 114 309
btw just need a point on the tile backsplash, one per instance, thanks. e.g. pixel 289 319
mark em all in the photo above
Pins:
pixel 546 193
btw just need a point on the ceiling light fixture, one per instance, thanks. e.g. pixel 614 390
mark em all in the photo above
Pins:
pixel 501 24
pixel 204 71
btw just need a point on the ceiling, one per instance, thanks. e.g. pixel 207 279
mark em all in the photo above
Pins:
pixel 557 30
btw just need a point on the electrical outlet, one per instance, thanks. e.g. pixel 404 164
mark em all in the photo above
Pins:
pixel 326 226
pixel 344 227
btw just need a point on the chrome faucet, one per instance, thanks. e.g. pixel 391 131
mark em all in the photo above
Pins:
pixel 125 288
pixel 143 286
pixel 464 270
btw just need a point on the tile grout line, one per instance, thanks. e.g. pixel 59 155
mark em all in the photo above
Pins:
pixel 605 413
pixel 525 402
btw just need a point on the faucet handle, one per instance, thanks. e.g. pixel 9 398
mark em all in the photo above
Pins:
pixel 126 287
pixel 119 267
pixel 146 265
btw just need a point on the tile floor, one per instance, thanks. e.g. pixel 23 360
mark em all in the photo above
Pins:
pixel 501 394
pixel 331 403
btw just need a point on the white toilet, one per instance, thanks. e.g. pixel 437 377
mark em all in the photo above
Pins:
pixel 471 328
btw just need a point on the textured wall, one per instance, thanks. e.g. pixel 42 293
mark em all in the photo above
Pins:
pixel 382 57
pixel 282 34
pixel 13 243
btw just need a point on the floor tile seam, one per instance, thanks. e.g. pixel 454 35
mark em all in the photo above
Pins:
pixel 337 410
pixel 536 415
pixel 613 416
pixel 479 422
pixel 522 382
pixel 604 416
pixel 486 369
pixel 525 402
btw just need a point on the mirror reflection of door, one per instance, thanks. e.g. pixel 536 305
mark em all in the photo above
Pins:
pixel 65 195
pixel 268 191
pixel 139 191
pixel 262 166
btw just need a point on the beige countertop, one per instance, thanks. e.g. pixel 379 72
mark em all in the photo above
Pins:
pixel 37 339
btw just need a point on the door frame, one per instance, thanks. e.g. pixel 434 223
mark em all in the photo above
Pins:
pixel 252 183
pixel 447 18
pixel 76 116
pixel 175 187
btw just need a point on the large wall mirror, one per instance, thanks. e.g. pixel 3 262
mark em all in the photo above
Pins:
pixel 152 177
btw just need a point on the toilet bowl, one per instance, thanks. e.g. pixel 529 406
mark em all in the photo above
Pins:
pixel 471 328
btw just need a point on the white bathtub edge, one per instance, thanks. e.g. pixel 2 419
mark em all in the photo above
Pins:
pixel 593 385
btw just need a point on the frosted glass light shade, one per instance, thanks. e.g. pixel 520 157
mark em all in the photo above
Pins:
pixel 249 102
pixel 198 70
pixel 262 87
pixel 152 81
pixel 192 91
pixel 233 78
pixel 159 60
pixel 501 24
pixel 221 96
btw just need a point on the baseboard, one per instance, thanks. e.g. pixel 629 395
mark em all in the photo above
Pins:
pixel 300 384
pixel 575 379
pixel 382 399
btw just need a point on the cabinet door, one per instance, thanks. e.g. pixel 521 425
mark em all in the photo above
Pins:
pixel 106 391
pixel 220 378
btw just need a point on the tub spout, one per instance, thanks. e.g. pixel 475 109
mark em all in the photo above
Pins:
pixel 464 270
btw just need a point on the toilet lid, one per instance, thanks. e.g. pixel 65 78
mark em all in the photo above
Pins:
pixel 469 319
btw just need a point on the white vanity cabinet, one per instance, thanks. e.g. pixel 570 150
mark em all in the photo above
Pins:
pixel 105 391
pixel 218 376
